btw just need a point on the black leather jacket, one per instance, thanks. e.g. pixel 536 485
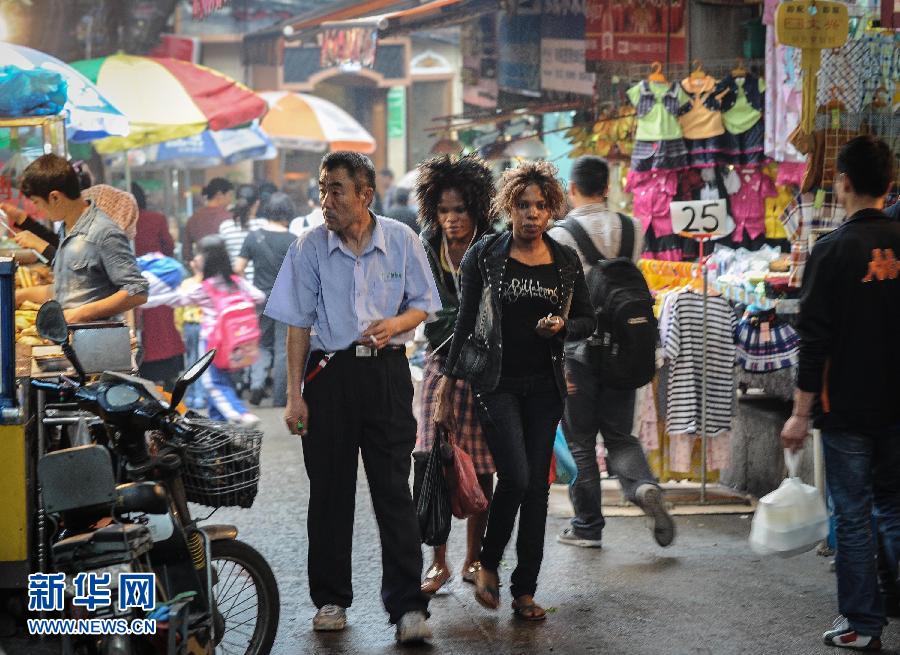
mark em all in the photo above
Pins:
pixel 483 268
pixel 439 330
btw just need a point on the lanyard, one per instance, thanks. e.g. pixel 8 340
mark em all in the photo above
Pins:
pixel 446 263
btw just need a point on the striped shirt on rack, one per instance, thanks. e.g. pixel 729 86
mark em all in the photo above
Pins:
pixel 683 342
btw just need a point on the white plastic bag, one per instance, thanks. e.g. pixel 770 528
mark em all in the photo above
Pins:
pixel 790 520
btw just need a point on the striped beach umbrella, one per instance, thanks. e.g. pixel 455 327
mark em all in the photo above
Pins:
pixel 89 113
pixel 166 99
pixel 299 121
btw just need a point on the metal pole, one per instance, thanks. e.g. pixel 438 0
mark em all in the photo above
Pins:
pixel 703 381
pixel 41 449
pixel 188 195
pixel 127 172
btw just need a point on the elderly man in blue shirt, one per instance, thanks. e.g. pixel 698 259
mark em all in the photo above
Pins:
pixel 352 291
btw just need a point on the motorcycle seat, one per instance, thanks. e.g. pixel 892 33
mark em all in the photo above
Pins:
pixel 113 544
pixel 149 497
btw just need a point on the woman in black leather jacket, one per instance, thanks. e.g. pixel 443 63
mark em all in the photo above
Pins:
pixel 523 294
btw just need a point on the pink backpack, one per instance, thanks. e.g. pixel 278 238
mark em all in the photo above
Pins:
pixel 236 333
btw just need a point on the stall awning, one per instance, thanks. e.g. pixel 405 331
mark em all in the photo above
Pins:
pixel 434 14
pixel 438 13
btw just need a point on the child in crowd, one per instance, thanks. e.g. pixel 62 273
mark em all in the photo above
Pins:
pixel 188 319
pixel 212 259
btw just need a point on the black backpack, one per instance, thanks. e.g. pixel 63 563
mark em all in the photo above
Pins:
pixel 623 347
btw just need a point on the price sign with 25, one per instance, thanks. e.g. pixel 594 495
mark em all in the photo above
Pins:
pixel 701 217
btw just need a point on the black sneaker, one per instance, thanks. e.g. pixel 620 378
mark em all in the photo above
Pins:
pixel 256 396
pixel 843 635
pixel 650 499
pixel 569 538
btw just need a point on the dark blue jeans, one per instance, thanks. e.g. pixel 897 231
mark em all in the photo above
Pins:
pixel 862 475
pixel 519 419
pixel 592 408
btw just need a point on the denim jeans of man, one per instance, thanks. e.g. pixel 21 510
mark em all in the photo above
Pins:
pixel 272 355
pixel 519 419
pixel 592 408
pixel 861 473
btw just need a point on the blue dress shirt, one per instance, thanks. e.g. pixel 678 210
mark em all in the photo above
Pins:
pixel 324 286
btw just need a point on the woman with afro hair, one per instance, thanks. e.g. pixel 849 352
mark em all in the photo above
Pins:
pixel 454 197
pixel 523 294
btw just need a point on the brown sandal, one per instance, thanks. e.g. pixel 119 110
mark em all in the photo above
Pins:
pixel 435 579
pixel 528 610
pixel 470 572
pixel 487 591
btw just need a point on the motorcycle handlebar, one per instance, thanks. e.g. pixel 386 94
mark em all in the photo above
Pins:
pixel 46 385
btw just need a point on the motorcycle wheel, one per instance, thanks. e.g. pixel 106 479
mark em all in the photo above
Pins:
pixel 247 598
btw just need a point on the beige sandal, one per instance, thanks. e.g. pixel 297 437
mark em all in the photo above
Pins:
pixel 435 578
pixel 470 573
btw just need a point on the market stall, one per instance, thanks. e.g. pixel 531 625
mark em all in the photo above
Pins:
pixel 55 104
pixel 744 151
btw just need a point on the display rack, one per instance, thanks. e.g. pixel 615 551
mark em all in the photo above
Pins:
pixel 702 240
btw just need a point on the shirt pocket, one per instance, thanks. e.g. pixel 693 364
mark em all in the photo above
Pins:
pixel 387 289
pixel 81 262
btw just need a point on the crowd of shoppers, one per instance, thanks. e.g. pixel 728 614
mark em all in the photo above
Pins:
pixel 506 309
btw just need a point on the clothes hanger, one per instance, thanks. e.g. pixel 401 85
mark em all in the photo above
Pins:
pixel 834 103
pixel 698 73
pixel 656 74
pixel 739 70
pixel 878 101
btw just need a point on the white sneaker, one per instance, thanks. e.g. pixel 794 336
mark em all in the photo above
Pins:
pixel 843 635
pixel 413 628
pixel 250 420
pixel 330 618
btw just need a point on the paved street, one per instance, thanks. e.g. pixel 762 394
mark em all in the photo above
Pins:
pixel 706 594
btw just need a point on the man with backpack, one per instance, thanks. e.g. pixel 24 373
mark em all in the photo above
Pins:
pixel 604 371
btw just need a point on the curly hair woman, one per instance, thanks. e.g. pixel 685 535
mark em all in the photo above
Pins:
pixel 522 295
pixel 454 197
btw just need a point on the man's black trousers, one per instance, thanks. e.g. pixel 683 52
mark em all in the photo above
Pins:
pixel 362 405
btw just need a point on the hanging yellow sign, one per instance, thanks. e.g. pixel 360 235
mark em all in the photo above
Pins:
pixel 812 24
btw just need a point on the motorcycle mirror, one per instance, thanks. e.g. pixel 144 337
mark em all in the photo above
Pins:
pixel 51 323
pixel 190 376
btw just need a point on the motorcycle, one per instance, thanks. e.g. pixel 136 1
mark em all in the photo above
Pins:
pixel 214 593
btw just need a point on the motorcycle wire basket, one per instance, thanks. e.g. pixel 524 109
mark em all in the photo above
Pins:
pixel 221 463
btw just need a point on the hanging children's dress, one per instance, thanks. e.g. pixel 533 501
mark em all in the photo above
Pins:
pixel 765 343
pixel 748 206
pixel 702 127
pixel 652 192
pixel 741 104
pixel 659 144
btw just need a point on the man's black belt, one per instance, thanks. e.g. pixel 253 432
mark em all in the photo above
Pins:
pixel 361 350
pixel 358 351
